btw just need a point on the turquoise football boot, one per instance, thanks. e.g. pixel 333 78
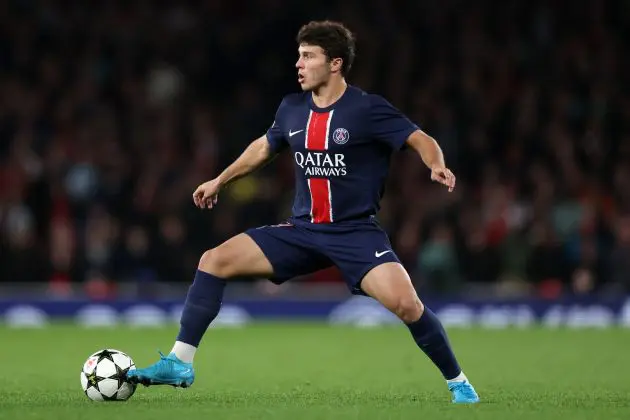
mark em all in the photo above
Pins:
pixel 463 392
pixel 169 370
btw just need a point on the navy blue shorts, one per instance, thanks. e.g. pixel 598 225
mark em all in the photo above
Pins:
pixel 295 249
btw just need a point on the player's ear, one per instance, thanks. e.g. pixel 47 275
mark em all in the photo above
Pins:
pixel 335 64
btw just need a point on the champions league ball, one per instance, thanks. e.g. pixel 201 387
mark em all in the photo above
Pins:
pixel 104 376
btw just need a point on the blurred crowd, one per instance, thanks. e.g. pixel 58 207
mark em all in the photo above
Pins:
pixel 111 113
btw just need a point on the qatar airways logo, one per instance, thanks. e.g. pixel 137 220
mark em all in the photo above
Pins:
pixel 321 163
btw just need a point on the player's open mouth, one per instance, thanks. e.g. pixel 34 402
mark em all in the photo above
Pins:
pixel 300 78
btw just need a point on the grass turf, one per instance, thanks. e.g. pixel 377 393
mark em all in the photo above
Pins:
pixel 311 371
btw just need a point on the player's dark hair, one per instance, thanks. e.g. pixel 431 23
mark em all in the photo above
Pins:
pixel 334 38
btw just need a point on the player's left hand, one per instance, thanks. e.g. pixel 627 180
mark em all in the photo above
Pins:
pixel 443 176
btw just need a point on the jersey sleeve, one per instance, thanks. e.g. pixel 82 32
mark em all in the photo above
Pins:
pixel 275 134
pixel 388 124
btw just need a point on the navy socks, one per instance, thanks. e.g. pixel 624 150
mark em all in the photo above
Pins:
pixel 430 336
pixel 203 303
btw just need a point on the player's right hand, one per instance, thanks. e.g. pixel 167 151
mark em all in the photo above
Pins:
pixel 207 194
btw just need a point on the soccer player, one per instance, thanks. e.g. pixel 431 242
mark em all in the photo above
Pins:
pixel 341 139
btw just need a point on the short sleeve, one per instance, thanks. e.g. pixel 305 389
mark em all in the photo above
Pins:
pixel 388 124
pixel 275 135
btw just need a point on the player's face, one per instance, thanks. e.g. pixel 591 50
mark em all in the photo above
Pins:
pixel 313 67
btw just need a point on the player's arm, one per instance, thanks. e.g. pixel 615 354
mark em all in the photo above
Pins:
pixel 256 155
pixel 259 152
pixel 391 127
pixel 432 156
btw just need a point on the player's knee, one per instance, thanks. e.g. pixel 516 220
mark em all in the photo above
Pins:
pixel 409 309
pixel 216 262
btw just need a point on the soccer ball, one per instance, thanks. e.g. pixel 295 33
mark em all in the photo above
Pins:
pixel 104 376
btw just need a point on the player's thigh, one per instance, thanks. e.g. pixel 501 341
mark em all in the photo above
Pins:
pixel 370 266
pixel 290 251
pixel 239 256
pixel 356 251
pixel 390 284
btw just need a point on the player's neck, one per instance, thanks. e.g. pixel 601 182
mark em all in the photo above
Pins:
pixel 329 93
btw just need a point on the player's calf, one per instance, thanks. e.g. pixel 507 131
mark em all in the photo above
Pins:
pixel 390 284
pixel 239 256
pixel 202 305
pixel 203 301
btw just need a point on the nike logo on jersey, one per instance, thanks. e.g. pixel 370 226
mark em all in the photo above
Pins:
pixel 380 254
pixel 293 133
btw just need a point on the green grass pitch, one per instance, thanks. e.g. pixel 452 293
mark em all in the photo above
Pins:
pixel 314 371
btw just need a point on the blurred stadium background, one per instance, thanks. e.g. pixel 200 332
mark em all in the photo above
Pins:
pixel 112 112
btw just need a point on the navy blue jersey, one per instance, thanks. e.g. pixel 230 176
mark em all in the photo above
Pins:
pixel 341 153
